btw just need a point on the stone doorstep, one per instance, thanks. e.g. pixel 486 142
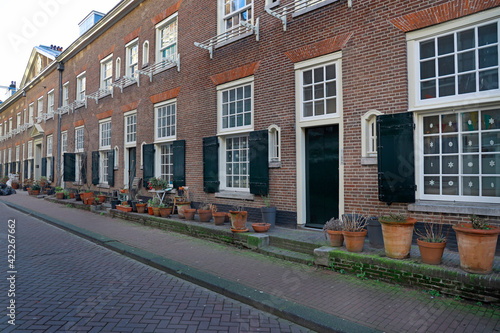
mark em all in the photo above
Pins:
pixel 473 286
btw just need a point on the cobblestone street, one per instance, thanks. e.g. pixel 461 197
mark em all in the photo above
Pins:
pixel 67 284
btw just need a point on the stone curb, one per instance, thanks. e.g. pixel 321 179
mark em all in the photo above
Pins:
pixel 299 314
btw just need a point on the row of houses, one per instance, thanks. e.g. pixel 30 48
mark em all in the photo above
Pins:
pixel 328 106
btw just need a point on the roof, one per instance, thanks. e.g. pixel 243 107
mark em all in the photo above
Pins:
pixel 51 53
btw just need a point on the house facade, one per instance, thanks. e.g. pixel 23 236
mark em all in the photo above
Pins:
pixel 328 106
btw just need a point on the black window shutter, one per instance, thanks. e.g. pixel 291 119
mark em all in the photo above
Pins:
pixel 111 167
pixel 395 154
pixel 69 167
pixel 211 164
pixel 259 167
pixel 44 166
pixel 25 171
pixel 95 167
pixel 32 168
pixel 148 163
pixel 0 169
pixel 179 161
pixel 52 169
pixel 6 169
pixel 13 167
pixel 83 169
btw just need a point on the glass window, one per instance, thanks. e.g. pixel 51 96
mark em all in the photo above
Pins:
pixel 65 101
pixel 81 83
pixel 165 121
pixel 461 155
pixel 40 107
pixel 79 139
pixel 64 142
pixel 31 115
pixel 132 59
pixel 30 149
pixel 237 162
pixel 103 174
pixel 236 11
pixel 166 162
pixel 274 144
pixel 131 128
pixel 18 119
pixel 459 63
pixel 319 91
pixel 50 102
pixel 237 107
pixel 107 73
pixel 166 36
pixel 49 145
pixel 17 153
pixel 105 134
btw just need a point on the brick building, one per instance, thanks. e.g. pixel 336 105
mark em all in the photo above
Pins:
pixel 240 98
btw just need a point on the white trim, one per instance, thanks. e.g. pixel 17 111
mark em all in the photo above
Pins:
pixel 312 7
pixel 145 53
pixel 270 143
pixel 366 119
pixel 102 77
pixel 118 65
pixel 79 150
pixel 125 116
pixel 222 165
pixel 101 123
pixel 229 85
pixel 159 26
pixel 155 109
pixel 128 47
pixel 142 156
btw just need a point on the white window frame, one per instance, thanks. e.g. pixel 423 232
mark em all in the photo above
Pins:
pixel 159 161
pixel 23 149
pixel 81 86
pixel 272 3
pixel 18 120
pixel 30 149
pixel 227 87
pixel 11 121
pixel 10 156
pixel 132 115
pixel 49 145
pixel 107 73
pixel 415 37
pixel 118 65
pixel 105 134
pixel 131 68
pixel 159 49
pixel 314 4
pixel 145 53
pixel 1 129
pixel 369 137
pixel 274 143
pixel 78 167
pixel 18 153
pixel 64 142
pixel 103 168
pixel 166 104
pixel 419 159
pixel 65 99
pixel 79 144
pixel 31 115
pixel 223 17
pixel 223 161
pixel 50 101
pixel 39 108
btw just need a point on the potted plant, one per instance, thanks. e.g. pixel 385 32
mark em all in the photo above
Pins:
pixel 205 212
pixel 477 242
pixel 238 219
pixel 59 193
pixel 431 243
pixel 397 230
pixel 124 208
pixel 101 197
pixel 166 209
pixel 140 205
pixel 374 229
pixel 354 231
pixel 155 204
pixel 72 195
pixel 219 217
pixel 35 189
pixel 183 202
pixel 15 184
pixel 43 182
pixel 333 228
pixel 150 207
pixel 157 183
pixel 268 212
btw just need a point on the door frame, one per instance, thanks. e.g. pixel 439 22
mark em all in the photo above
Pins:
pixel 37 158
pixel 300 133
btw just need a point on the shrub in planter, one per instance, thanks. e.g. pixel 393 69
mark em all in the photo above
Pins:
pixel 238 220
pixel 354 231
pixel 205 212
pixel 219 217
pixel 431 243
pixel 333 228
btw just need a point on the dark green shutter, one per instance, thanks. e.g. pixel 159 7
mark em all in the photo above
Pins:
pixel 52 168
pixel 25 171
pixel 13 167
pixel 395 154
pixel 211 164
pixel 95 167
pixel 69 167
pixel 0 169
pixel 259 166
pixel 32 168
pixel 83 169
pixel 111 168
pixel 44 166
pixel 148 163
pixel 179 161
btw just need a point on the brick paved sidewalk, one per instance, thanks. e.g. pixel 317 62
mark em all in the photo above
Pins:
pixel 369 303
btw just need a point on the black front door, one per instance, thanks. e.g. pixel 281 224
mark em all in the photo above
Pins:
pixel 131 165
pixel 322 175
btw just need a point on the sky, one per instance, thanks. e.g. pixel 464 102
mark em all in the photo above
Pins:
pixel 28 23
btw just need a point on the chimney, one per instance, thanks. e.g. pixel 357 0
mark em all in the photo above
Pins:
pixel 12 88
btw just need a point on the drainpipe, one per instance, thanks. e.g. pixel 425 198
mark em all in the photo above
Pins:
pixel 60 68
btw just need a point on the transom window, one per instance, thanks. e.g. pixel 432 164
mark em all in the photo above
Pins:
pixel 459 63
pixel 81 82
pixel 166 162
pixel 237 107
pixel 105 135
pixel 107 73
pixel 132 59
pixel 461 155
pixel 237 162
pixel 79 139
pixel 166 34
pixel 236 11
pixel 165 121
pixel 319 91
pixel 131 128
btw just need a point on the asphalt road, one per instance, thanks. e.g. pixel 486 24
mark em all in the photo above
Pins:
pixel 59 282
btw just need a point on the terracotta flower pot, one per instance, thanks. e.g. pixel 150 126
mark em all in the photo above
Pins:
pixel 102 198
pixel 150 211
pixel 397 237
pixel 219 218
pixel 35 192
pixel 431 253
pixel 180 208
pixel 60 195
pixel 238 220
pixel 15 186
pixel 189 213
pixel 476 247
pixel 71 195
pixel 261 227
pixel 336 238
pixel 205 215
pixel 141 207
pixel 124 209
pixel 156 211
pixel 165 212
pixel 354 240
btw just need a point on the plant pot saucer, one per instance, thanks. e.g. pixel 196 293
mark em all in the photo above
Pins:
pixel 239 230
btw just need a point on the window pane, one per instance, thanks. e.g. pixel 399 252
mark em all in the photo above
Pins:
pixel 445 45
pixel 427 69
pixel 431 145
pixel 467 83
pixel 488 80
pixel 431 165
pixel 318 74
pixel 465 40
pixel 466 61
pixel 470 164
pixel 447 86
pixel 319 108
pixel 449 123
pixel 331 106
pixel 490 120
pixel 446 65
pixel 470 186
pixel 488 34
pixel 308 93
pixel 331 89
pixel 470 121
pixel 490 142
pixel 428 89
pixel 450 165
pixel 307 77
pixel 491 186
pixel 431 125
pixel 491 164
pixel 450 144
pixel 318 91
pixel 308 109
pixel 330 72
pixel 432 185
pixel 450 186
pixel 488 57
pixel 427 49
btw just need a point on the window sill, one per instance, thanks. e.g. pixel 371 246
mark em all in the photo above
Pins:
pixel 274 164
pixel 169 66
pixel 368 161
pixel 467 208
pixel 79 183
pixel 235 195
pixel 313 7
pixel 273 5
pixel 103 186
pixel 232 40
